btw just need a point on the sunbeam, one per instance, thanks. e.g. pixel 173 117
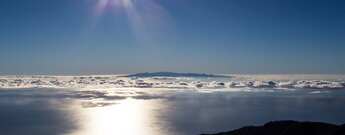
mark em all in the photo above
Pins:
pixel 147 18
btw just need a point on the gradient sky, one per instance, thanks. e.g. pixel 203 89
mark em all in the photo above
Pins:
pixel 213 36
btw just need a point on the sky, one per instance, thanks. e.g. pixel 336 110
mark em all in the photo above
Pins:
pixel 204 36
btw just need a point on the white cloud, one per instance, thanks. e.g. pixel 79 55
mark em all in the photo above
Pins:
pixel 109 82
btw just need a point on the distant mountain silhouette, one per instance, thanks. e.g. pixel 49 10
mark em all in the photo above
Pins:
pixel 289 128
pixel 172 74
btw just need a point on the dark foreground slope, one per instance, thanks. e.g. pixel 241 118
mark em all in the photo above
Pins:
pixel 289 128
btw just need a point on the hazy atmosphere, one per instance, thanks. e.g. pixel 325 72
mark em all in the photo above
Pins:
pixel 213 36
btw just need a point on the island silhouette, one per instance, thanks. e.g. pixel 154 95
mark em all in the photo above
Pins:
pixel 172 74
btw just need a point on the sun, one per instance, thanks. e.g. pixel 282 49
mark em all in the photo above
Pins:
pixel 144 16
pixel 102 4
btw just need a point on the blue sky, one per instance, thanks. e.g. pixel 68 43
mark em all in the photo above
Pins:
pixel 213 36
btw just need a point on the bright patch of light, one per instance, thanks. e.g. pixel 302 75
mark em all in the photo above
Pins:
pixel 128 117
pixel 146 17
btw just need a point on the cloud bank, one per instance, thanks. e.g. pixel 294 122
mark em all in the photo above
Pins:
pixel 108 82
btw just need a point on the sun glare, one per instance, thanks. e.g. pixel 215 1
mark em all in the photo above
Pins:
pixel 128 117
pixel 145 16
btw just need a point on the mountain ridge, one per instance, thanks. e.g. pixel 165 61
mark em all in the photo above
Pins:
pixel 172 74
pixel 288 127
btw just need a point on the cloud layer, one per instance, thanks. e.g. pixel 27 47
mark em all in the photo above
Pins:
pixel 108 82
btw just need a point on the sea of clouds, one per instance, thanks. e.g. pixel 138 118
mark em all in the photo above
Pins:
pixel 113 81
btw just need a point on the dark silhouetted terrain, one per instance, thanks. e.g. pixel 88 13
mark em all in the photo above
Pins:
pixel 289 128
pixel 172 74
